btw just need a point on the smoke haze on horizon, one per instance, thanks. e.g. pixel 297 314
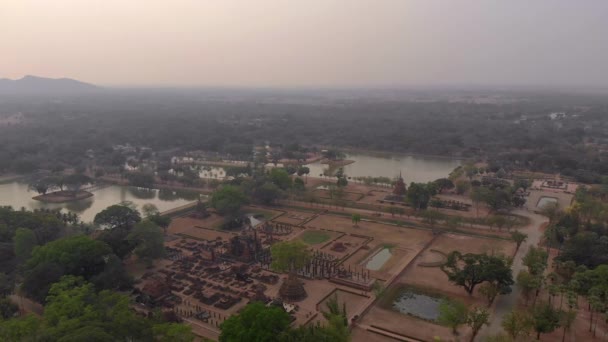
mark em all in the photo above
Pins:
pixel 272 43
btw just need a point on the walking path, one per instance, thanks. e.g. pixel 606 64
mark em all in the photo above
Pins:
pixel 505 303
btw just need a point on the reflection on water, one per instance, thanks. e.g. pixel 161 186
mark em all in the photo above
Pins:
pixel 175 195
pixel 413 168
pixel 142 193
pixel 17 195
pixel 416 304
pixel 79 206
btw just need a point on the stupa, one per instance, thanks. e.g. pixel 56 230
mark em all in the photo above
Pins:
pixel 399 189
pixel 292 289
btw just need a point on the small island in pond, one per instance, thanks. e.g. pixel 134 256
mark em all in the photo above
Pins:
pixel 73 185
pixel 63 196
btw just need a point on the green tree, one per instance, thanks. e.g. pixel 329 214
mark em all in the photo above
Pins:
pixel 24 242
pixel 298 185
pixel 75 181
pixel 453 314
pixel 113 276
pixel 228 200
pixel 42 185
pixel 148 239
pixel 356 218
pixel 288 256
pixel 256 322
pixel 519 238
pixel 517 324
pixel 73 307
pixel 462 186
pixel 280 178
pixel 267 193
pixel 27 328
pixel 431 217
pixel 6 284
pixel 117 216
pixel 418 195
pixel 528 283
pixel 536 260
pixel 566 321
pixel 477 196
pixel 76 255
pixel 172 332
pixel 149 209
pixel 476 319
pixel 470 170
pixel 545 319
pixel 490 291
pixel 470 270
pixel 8 309
pixel 444 184
pixel 38 280
pixel 552 211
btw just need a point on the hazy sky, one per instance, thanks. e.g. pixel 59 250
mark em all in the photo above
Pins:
pixel 307 42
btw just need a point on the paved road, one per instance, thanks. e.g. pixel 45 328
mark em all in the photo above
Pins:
pixel 504 304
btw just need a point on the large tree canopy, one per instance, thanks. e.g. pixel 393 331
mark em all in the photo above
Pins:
pixel 148 239
pixel 256 322
pixel 117 216
pixel 228 200
pixel 470 270
pixel 76 255
pixel 289 255
pixel 76 312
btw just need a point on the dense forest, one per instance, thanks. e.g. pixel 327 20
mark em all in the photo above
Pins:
pixel 54 133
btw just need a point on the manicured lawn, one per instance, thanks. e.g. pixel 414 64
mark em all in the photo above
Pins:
pixel 313 237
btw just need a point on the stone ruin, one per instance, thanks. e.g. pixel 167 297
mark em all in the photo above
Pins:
pixel 245 248
pixel 399 191
pixel 292 289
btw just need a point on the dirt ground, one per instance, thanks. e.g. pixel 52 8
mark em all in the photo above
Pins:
pixel 406 325
pixel 361 242
pixel 435 278
pixel 350 299
pixel 199 229
pixel 348 196
pixel 432 279
pixel 563 199
pixel 295 217
pixel 350 242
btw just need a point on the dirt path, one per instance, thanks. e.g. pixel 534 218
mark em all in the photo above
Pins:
pixel 505 303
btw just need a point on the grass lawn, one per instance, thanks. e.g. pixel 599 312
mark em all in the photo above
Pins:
pixel 313 237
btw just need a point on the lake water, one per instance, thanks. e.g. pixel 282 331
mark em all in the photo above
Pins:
pixel 17 195
pixel 416 304
pixel 413 168
pixel 378 260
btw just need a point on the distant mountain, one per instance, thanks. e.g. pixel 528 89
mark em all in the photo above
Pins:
pixel 41 85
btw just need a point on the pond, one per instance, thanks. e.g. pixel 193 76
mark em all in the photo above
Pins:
pixel 544 200
pixel 413 168
pixel 17 195
pixel 379 259
pixel 416 304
